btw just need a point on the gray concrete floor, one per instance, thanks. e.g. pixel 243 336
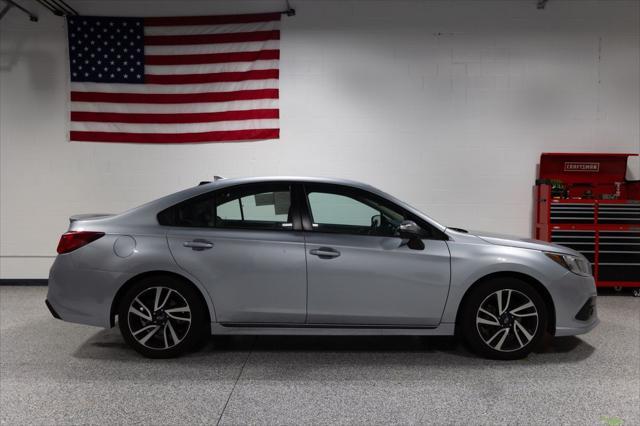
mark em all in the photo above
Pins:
pixel 53 372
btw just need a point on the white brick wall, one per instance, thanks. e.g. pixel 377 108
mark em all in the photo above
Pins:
pixel 446 104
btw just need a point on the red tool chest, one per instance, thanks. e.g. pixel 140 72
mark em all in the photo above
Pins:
pixel 584 201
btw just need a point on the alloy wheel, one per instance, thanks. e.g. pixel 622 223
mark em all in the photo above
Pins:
pixel 159 317
pixel 507 320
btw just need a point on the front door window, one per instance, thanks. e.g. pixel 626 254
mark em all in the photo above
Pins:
pixel 352 214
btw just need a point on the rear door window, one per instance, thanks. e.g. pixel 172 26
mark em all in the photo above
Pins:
pixel 260 206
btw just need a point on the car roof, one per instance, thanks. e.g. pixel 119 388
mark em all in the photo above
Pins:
pixel 311 179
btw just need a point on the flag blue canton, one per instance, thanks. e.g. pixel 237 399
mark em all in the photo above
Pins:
pixel 106 49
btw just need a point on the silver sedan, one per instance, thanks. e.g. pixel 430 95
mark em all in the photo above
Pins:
pixel 311 256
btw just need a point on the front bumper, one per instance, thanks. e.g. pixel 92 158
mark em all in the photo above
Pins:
pixel 575 299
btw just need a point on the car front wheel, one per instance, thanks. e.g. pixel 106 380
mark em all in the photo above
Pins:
pixel 162 317
pixel 504 318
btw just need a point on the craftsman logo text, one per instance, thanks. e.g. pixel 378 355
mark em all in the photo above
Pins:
pixel 578 166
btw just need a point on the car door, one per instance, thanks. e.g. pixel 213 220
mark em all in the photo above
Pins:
pixel 359 272
pixel 245 245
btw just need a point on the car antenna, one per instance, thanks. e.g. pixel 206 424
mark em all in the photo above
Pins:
pixel 215 178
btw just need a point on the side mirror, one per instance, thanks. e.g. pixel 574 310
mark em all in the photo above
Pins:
pixel 408 229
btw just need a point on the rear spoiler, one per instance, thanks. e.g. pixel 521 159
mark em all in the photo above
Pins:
pixel 87 216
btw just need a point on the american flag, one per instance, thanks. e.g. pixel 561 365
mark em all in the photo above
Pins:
pixel 174 80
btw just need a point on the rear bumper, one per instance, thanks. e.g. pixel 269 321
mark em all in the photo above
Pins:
pixel 53 311
pixel 82 296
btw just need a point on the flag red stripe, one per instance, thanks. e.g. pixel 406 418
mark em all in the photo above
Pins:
pixel 211 58
pixel 204 117
pixel 217 136
pixel 211 20
pixel 178 98
pixel 219 77
pixel 211 38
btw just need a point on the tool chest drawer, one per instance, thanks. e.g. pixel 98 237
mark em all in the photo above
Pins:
pixel 572 213
pixel 582 241
pixel 619 213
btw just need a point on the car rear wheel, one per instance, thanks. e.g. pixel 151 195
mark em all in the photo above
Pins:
pixel 162 317
pixel 504 318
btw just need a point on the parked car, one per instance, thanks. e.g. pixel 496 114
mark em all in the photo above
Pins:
pixel 311 256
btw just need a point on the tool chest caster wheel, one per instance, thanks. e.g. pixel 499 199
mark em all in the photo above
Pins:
pixel 617 288
pixel 636 292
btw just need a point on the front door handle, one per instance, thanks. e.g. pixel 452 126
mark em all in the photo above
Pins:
pixel 198 245
pixel 325 252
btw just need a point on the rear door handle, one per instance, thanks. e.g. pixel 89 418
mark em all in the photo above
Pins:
pixel 325 252
pixel 198 245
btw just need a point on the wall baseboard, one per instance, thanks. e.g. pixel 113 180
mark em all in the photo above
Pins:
pixel 23 281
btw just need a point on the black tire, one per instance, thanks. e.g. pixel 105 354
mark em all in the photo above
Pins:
pixel 509 340
pixel 170 326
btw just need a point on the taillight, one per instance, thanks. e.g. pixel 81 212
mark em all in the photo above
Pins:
pixel 73 240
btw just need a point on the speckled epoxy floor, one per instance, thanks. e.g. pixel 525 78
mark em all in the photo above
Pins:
pixel 53 372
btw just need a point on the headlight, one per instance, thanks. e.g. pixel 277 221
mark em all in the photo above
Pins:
pixel 577 265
